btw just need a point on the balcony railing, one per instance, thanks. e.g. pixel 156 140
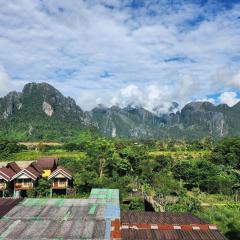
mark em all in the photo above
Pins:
pixel 59 185
pixel 23 186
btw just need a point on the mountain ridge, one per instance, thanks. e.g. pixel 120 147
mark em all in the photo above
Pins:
pixel 40 111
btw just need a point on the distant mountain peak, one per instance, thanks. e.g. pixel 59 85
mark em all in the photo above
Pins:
pixel 199 106
pixel 101 106
pixel 43 107
pixel 132 106
pixel 52 115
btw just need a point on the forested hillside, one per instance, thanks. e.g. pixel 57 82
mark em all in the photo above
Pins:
pixel 40 112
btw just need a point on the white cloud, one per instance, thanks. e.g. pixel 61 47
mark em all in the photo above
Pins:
pixel 229 98
pixel 228 79
pixel 128 95
pixel 5 82
pixel 151 97
pixel 235 81
pixel 154 55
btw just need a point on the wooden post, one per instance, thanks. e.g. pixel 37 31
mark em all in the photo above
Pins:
pixel 66 185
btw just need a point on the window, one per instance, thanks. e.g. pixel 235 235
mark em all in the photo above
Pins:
pixel 27 181
pixel 62 181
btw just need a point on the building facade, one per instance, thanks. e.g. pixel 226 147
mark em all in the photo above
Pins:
pixel 15 182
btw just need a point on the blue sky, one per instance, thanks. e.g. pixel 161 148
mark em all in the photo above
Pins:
pixel 148 52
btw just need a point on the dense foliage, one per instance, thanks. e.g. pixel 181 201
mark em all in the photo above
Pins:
pixel 7 148
pixel 201 177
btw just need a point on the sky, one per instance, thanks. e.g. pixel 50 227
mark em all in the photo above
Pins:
pixel 120 52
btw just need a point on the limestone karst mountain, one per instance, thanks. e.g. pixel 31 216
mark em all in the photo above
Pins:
pixel 41 112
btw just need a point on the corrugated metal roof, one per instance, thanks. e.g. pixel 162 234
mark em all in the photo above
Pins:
pixel 39 218
pixel 159 218
pixel 52 219
pixel 168 226
pixel 103 195
pixel 7 204
pixel 132 234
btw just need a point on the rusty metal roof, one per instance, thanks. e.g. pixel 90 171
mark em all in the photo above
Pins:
pixel 132 234
pixel 43 218
pixel 7 204
pixel 167 226
pixel 159 218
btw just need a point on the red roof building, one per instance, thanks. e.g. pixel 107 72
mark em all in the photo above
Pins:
pixel 18 180
pixel 48 165
pixel 25 180
pixel 6 175
pixel 61 179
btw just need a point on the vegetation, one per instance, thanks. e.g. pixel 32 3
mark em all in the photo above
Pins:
pixel 225 217
pixel 201 177
pixel 8 148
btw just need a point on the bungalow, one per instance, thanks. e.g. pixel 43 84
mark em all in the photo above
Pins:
pixel 48 165
pixel 61 180
pixel 5 180
pixel 15 181
pixel 25 180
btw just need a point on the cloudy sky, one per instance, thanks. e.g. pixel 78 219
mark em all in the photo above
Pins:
pixel 148 52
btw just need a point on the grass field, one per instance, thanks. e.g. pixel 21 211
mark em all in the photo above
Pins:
pixel 32 155
pixel 181 154
pixel 34 144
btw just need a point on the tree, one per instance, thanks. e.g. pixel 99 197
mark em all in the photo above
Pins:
pixel 185 204
pixel 227 152
pixel 162 162
pixel 84 181
pixel 101 153
pixel 136 204
pixel 134 155
pixel 43 187
pixel 123 166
